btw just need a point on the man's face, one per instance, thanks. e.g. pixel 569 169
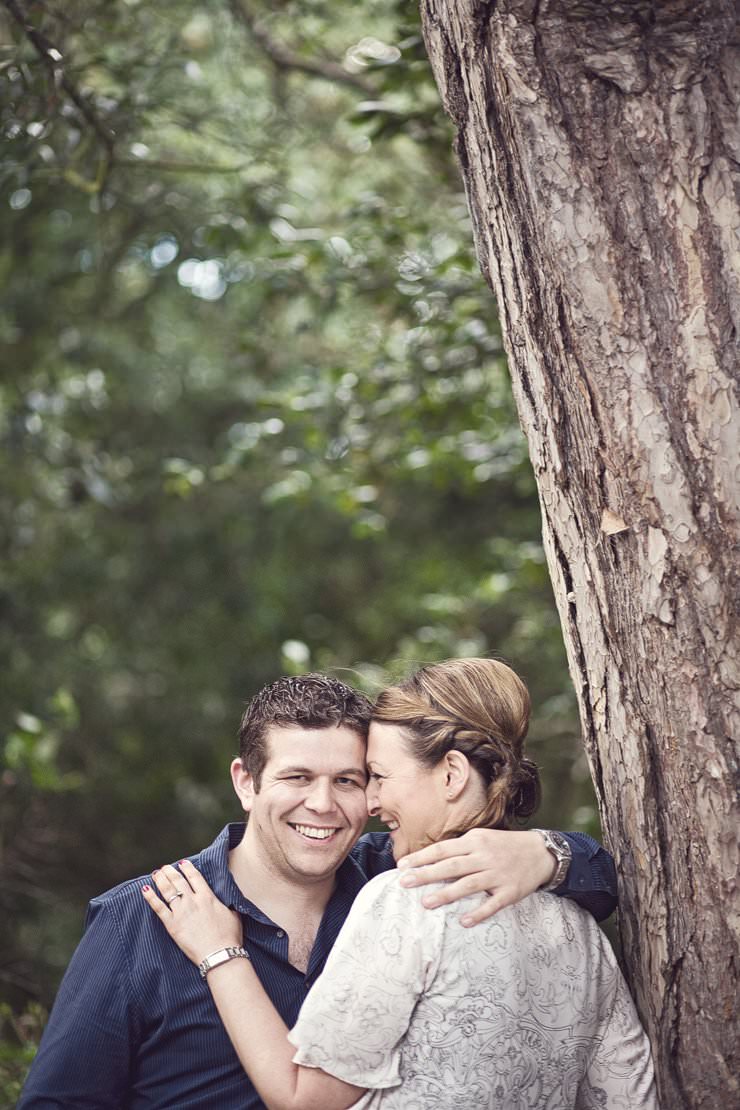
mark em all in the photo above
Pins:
pixel 310 808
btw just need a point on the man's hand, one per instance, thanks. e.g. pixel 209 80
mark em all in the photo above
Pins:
pixel 507 866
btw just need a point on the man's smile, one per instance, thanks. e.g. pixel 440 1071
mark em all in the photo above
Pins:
pixel 315 832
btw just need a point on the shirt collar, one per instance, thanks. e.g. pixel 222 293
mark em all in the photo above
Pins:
pixel 213 864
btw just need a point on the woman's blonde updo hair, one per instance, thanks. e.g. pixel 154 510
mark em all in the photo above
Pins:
pixel 479 707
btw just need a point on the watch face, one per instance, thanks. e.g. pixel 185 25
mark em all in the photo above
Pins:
pixel 560 845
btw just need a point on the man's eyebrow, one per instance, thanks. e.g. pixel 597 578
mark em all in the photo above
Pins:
pixel 312 771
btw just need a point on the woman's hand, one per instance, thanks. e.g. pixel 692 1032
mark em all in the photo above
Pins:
pixel 191 913
pixel 507 866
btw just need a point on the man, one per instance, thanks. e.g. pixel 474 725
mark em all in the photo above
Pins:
pixel 134 1025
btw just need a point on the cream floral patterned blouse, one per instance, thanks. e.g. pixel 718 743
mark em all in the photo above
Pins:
pixel 527 1011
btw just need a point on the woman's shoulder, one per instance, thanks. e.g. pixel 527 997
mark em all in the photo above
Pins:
pixel 384 898
pixel 541 919
pixel 385 890
pixel 540 929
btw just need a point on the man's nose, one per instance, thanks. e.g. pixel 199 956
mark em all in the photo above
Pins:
pixel 320 798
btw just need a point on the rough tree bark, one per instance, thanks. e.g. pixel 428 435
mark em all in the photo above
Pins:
pixel 598 143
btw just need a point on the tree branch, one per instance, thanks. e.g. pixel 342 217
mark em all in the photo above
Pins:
pixel 180 167
pixel 52 59
pixel 286 59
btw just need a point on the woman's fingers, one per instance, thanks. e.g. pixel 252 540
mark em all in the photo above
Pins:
pixel 194 877
pixel 172 922
pixel 185 879
pixel 155 902
pixel 195 919
pixel 164 880
pixel 178 879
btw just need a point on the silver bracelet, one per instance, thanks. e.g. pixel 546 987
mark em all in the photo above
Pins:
pixel 221 956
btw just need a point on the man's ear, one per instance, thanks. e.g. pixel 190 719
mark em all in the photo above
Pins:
pixel 243 784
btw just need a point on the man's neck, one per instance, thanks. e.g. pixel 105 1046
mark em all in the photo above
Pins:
pixel 281 897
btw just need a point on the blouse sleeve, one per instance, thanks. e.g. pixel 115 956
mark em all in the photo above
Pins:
pixel 355 1017
pixel 620 1074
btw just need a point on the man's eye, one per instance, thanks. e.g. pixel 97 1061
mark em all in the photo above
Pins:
pixel 296 778
pixel 347 782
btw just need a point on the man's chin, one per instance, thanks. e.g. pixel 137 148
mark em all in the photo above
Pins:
pixel 320 864
pixel 317 873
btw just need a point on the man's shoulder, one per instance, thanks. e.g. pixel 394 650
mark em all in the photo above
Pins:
pixel 121 893
pixel 373 854
pixel 121 902
pixel 122 914
pixel 373 842
pixel 125 903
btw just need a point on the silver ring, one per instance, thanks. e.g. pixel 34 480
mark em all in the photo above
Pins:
pixel 174 897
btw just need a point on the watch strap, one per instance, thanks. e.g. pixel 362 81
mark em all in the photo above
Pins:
pixel 558 847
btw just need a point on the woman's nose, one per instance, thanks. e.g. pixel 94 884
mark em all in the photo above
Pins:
pixel 371 798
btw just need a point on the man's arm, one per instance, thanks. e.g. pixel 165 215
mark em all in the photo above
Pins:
pixel 84 1057
pixel 591 880
pixel 507 866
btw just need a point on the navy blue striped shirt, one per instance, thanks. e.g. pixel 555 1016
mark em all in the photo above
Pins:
pixel 134 1025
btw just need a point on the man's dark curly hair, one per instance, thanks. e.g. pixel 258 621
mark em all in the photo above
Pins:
pixel 308 701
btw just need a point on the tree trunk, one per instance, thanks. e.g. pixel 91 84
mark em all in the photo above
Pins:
pixel 598 143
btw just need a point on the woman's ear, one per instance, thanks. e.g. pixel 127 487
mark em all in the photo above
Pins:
pixel 457 773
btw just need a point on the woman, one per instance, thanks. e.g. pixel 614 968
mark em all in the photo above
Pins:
pixel 526 1011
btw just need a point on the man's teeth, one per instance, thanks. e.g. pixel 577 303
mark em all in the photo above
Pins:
pixel 314 833
pixel 392 825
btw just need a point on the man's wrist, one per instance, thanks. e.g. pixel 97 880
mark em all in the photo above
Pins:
pixel 562 855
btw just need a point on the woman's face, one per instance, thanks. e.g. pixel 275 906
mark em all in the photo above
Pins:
pixel 407 796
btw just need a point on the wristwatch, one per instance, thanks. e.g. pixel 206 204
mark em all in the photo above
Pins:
pixel 559 847
pixel 222 956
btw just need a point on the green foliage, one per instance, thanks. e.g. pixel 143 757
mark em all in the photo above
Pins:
pixel 255 419
pixel 19 1036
